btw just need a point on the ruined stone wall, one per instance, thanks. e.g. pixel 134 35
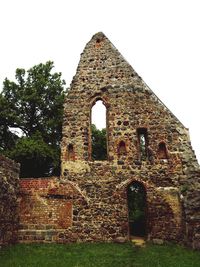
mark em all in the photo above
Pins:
pixel 103 74
pixel 105 215
pixel 191 202
pixel 92 207
pixel 89 201
pixel 9 217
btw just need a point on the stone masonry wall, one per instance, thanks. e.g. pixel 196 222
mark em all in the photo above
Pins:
pixel 191 196
pixel 9 217
pixel 89 201
pixel 92 208
pixel 103 74
pixel 105 215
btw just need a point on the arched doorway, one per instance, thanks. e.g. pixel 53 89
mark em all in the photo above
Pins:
pixel 136 196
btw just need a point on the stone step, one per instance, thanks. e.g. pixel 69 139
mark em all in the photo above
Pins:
pixel 138 241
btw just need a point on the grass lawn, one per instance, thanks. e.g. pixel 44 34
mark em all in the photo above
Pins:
pixel 88 255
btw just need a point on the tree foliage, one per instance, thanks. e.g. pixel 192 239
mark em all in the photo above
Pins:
pixel 99 143
pixel 33 104
pixel 7 138
pixel 37 158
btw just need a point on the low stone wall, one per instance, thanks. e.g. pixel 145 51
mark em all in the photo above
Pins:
pixel 91 206
pixel 104 217
pixel 9 185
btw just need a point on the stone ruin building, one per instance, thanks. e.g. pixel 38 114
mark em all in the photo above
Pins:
pixel 148 150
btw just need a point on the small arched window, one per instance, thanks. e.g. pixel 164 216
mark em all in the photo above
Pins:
pixel 121 148
pixel 162 151
pixel 70 152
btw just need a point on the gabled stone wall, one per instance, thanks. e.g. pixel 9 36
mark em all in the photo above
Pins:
pixel 89 201
pixel 9 215
pixel 103 74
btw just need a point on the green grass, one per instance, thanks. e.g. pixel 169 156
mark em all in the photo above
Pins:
pixel 88 255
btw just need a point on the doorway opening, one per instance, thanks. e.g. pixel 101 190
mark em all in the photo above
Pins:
pixel 136 196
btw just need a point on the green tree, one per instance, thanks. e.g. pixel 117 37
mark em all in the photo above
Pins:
pixel 37 158
pixel 7 138
pixel 34 104
pixel 99 143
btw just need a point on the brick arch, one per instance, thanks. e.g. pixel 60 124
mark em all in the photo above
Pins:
pixel 122 187
pixel 97 97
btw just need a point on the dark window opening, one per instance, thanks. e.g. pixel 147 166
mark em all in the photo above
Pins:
pixel 121 148
pixel 136 195
pixel 162 151
pixel 98 43
pixel 70 152
pixel 98 131
pixel 143 143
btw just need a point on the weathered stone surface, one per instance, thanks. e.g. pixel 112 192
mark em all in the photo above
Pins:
pixel 191 203
pixel 104 74
pixel 9 216
pixel 88 203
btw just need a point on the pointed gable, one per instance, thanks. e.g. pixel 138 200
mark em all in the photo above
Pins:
pixel 103 74
pixel 102 65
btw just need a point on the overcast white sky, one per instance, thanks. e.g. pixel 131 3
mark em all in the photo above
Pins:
pixel 159 38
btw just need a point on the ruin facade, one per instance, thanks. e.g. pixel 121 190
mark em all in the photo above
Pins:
pixel 147 148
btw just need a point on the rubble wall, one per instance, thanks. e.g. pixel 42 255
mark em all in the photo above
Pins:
pixel 89 201
pixel 131 107
pixel 191 197
pixel 9 186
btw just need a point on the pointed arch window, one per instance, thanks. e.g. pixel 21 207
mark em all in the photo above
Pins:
pixel 98 131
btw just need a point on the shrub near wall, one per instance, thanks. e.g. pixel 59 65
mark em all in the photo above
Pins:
pixel 9 185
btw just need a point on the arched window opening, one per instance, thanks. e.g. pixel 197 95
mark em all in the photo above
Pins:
pixel 162 151
pixel 143 143
pixel 98 131
pixel 70 152
pixel 121 148
pixel 136 196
